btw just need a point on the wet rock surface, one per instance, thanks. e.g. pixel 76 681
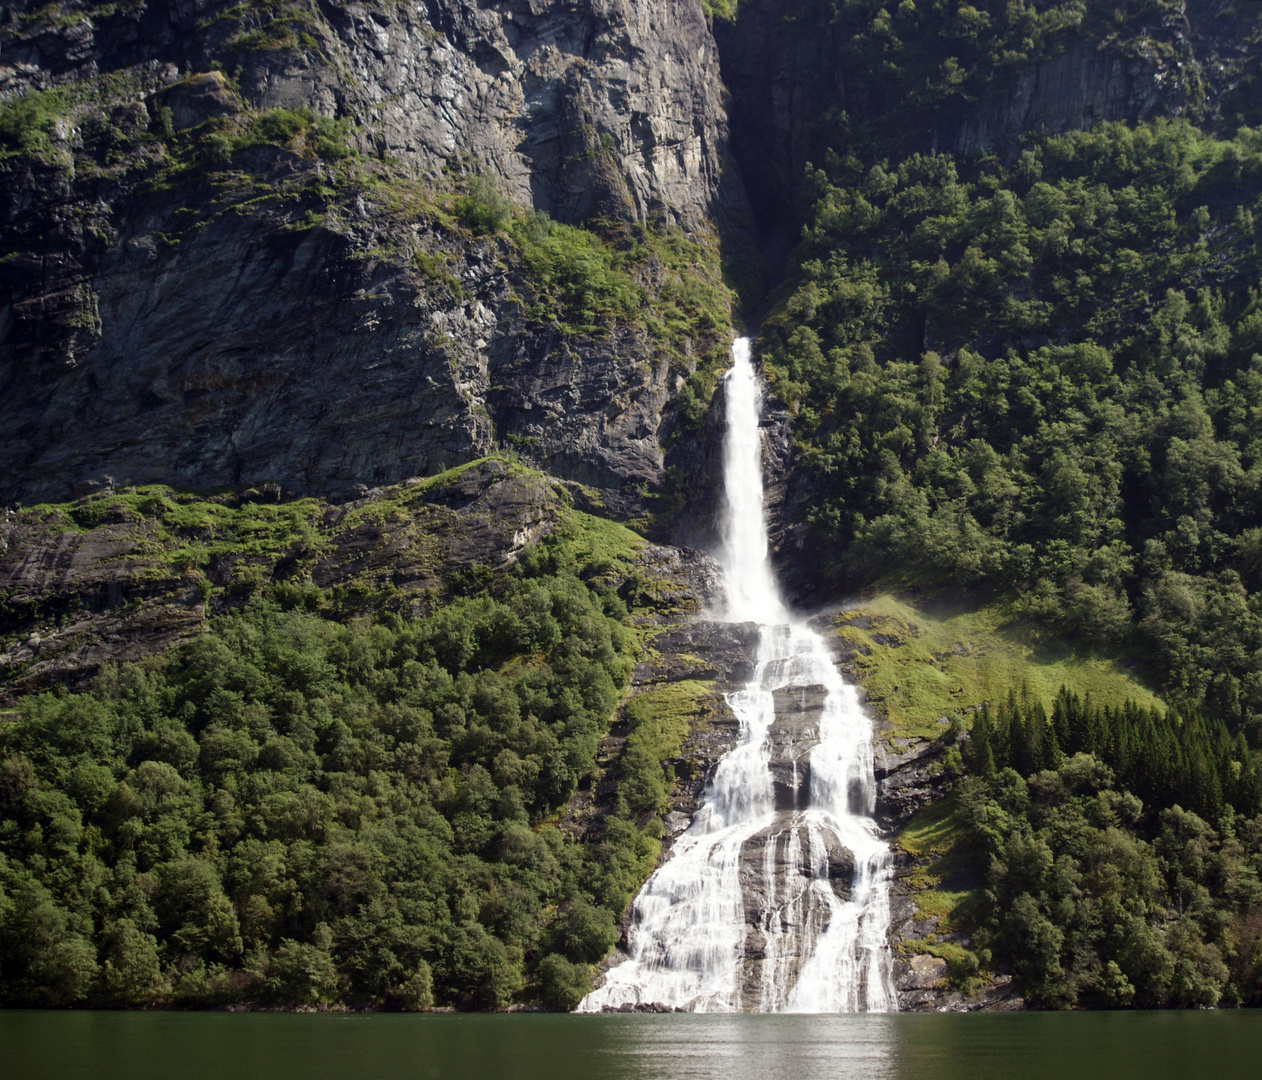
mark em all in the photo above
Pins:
pixel 908 778
pixel 689 647
pixel 794 734
pixel 780 867
pixel 784 914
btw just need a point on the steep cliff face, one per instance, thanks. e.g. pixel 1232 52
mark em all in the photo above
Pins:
pixel 1178 62
pixel 528 88
pixel 309 313
pixel 1068 92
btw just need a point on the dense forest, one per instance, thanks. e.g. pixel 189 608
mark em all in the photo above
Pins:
pixel 1107 883
pixel 302 810
pixel 1041 378
pixel 1097 905
pixel 1033 378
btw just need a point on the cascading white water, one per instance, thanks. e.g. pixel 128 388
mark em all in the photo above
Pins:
pixel 746 914
pixel 752 593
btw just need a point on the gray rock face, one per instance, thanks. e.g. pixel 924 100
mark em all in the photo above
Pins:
pixel 794 734
pixel 605 107
pixel 907 781
pixel 922 980
pixel 577 106
pixel 250 353
pixel 784 914
pixel 256 347
pixel 1070 92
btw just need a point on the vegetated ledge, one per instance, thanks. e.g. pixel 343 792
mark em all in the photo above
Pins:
pixel 122 574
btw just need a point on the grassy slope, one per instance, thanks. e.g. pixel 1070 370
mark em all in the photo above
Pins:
pixel 919 666
pixel 941 882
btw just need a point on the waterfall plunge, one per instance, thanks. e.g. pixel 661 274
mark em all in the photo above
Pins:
pixel 776 898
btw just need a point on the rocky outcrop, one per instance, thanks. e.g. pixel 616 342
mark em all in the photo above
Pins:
pixel 923 980
pixel 722 655
pixel 110 579
pixel 684 646
pixel 922 983
pixel 909 776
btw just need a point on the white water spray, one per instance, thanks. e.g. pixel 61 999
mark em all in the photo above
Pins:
pixel 776 898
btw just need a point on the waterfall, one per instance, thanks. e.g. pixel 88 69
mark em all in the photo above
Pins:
pixel 776 898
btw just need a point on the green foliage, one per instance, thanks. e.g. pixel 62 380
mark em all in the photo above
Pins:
pixel 564 983
pixel 995 387
pixel 1033 381
pixel 1163 758
pixel 586 280
pixel 1105 886
pixel 297 810
pixel 578 278
pixel 277 26
pixel 657 722
pixel 26 121
pixel 301 130
pixel 723 10
pixel 1097 903
pixel 920 665
pixel 483 208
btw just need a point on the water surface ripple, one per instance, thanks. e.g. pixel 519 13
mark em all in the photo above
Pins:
pixel 280 1046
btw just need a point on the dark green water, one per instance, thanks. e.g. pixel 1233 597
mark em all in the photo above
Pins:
pixel 1082 1046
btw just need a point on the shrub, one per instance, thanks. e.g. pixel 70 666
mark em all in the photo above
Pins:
pixel 483 208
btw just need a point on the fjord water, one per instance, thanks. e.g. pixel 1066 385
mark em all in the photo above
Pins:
pixel 284 1046
pixel 776 897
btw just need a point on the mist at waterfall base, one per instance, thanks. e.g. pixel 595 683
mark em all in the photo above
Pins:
pixel 776 898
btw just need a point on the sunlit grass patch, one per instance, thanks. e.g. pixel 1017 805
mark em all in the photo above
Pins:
pixel 918 667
